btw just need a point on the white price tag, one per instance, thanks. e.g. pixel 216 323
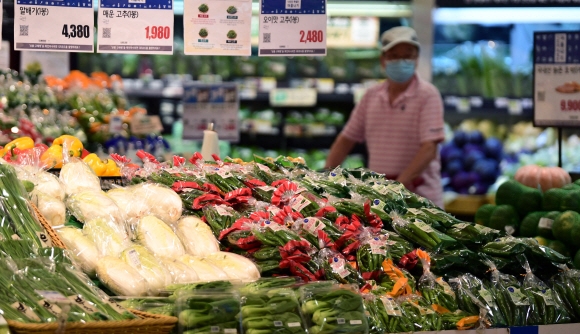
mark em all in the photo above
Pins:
pixel 546 223
pixel 62 26
pixel 293 97
pixel 337 266
pixel 217 27
pixel 44 239
pixel 134 258
pixel 135 26
pixel 292 28
pixel 27 311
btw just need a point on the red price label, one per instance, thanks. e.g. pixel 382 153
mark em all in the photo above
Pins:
pixel 570 105
pixel 311 36
pixel 157 32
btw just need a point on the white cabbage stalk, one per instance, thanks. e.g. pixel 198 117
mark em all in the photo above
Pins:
pixel 131 207
pixel 147 265
pixel 77 176
pixel 235 266
pixel 196 236
pixel 52 209
pixel 121 278
pixel 158 237
pixel 43 181
pixel 88 205
pixel 180 272
pixel 206 271
pixel 109 238
pixel 162 202
pixel 84 251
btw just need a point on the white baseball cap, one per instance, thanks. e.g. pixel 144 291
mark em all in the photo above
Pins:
pixel 398 35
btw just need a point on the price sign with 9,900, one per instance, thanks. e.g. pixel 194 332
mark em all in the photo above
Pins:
pixel 135 26
pixel 43 25
pixel 292 28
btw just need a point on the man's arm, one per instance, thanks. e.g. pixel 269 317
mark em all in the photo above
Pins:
pixel 338 151
pixel 427 153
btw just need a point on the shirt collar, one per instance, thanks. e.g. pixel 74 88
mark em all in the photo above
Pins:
pixel 409 92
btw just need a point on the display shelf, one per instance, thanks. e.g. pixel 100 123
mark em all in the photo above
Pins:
pixel 548 329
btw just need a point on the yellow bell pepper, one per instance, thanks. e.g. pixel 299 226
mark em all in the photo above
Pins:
pixel 112 168
pixel 98 166
pixel 22 143
pixel 52 158
pixel 71 143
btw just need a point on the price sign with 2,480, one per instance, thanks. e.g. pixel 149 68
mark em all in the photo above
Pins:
pixel 570 105
pixel 311 36
pixel 65 26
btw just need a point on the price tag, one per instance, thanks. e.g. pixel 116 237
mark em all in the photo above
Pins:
pixel 27 311
pixel 217 27
pixel 293 324
pixel 463 105
pixel 116 124
pixel 486 295
pixel 223 210
pixel 293 97
pixel 515 107
pixel 53 296
pixel 391 306
pixel 517 296
pixel 135 26
pixel 50 307
pixel 145 124
pixel 134 258
pixel 299 202
pixel 337 266
pixel 61 26
pixel 546 223
pixel 292 28
pixel 44 239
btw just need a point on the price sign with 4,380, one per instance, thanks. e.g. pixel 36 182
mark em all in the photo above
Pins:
pixel 54 25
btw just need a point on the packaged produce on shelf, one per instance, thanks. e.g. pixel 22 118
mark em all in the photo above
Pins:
pixel 208 311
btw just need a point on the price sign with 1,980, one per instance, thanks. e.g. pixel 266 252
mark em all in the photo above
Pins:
pixel 292 28
pixel 54 25
pixel 135 26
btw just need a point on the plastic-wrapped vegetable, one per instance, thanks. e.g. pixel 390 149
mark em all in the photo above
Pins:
pixel 396 280
pixel 132 207
pixel 472 234
pixel 546 306
pixel 329 309
pixel 109 238
pixel 76 176
pixel 83 250
pixel 196 236
pixel 206 312
pixel 121 278
pixel 89 204
pixel 234 265
pixel 162 202
pixel 147 265
pixel 435 290
pixel 422 234
pixel 337 268
pixel 52 209
pixel 44 182
pixel 275 311
pixel 566 284
pixel 371 253
pixel 504 247
pixel 205 270
pixel 385 315
pixel 158 237
pixel 220 217
pixel 418 311
pixel 180 272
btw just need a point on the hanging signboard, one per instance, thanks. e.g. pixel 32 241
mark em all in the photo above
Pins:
pixel 557 78
pixel 507 3
pixel 218 27
pixel 135 26
pixel 349 32
pixel 292 28
pixel 211 103
pixel 55 25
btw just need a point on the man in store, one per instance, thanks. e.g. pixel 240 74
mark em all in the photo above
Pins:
pixel 401 121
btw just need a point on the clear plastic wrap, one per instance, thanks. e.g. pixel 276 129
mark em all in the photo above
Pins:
pixel 158 237
pixel 206 271
pixel 276 311
pixel 76 176
pixel 337 268
pixel 435 290
pixel 504 247
pixel 472 234
pixel 121 278
pixel 180 272
pixel 155 305
pixel 566 284
pixel 419 312
pixel 132 207
pixel 52 209
pixel 162 202
pixel 329 308
pixel 220 217
pixel 474 298
pixel 234 265
pixel 385 315
pixel 88 205
pixel 84 252
pixel 372 252
pixel 157 276
pixel 196 236
pixel 396 280
pixel 43 181
pixel 109 238
pixel 206 312
pixel 422 234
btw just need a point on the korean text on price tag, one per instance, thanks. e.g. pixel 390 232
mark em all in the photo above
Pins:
pixel 135 26
pixel 64 26
pixel 292 28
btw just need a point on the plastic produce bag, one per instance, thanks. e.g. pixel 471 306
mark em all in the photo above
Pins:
pixel 109 238
pixel 43 181
pixel 131 207
pixel 329 308
pixel 435 290
pixel 87 205
pixel 52 209
pixel 206 271
pixel 472 234
pixel 158 237
pixel 180 272
pixel 566 284
pixel 234 265
pixel 422 234
pixel 162 202
pixel 76 176
pixel 157 276
pixel 474 298
pixel 206 312
pixel 396 280
pixel 337 268
pixel 220 217
pixel 155 305
pixel 272 310
pixel 545 304
pixel 419 312
pixel 385 315
pixel 372 252
pixel 84 251
pixel 504 247
pixel 121 278
pixel 196 236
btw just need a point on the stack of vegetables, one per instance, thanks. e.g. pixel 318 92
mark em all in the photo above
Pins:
pixel 540 203
pixel 470 162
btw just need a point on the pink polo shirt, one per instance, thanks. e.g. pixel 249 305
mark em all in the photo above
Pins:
pixel 394 134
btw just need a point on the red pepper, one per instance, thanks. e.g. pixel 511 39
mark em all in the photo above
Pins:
pixel 84 153
pixel 178 161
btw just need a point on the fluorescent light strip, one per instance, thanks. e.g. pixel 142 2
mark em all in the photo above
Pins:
pixel 505 15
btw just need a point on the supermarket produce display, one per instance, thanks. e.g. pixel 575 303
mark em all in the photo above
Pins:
pixel 210 243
